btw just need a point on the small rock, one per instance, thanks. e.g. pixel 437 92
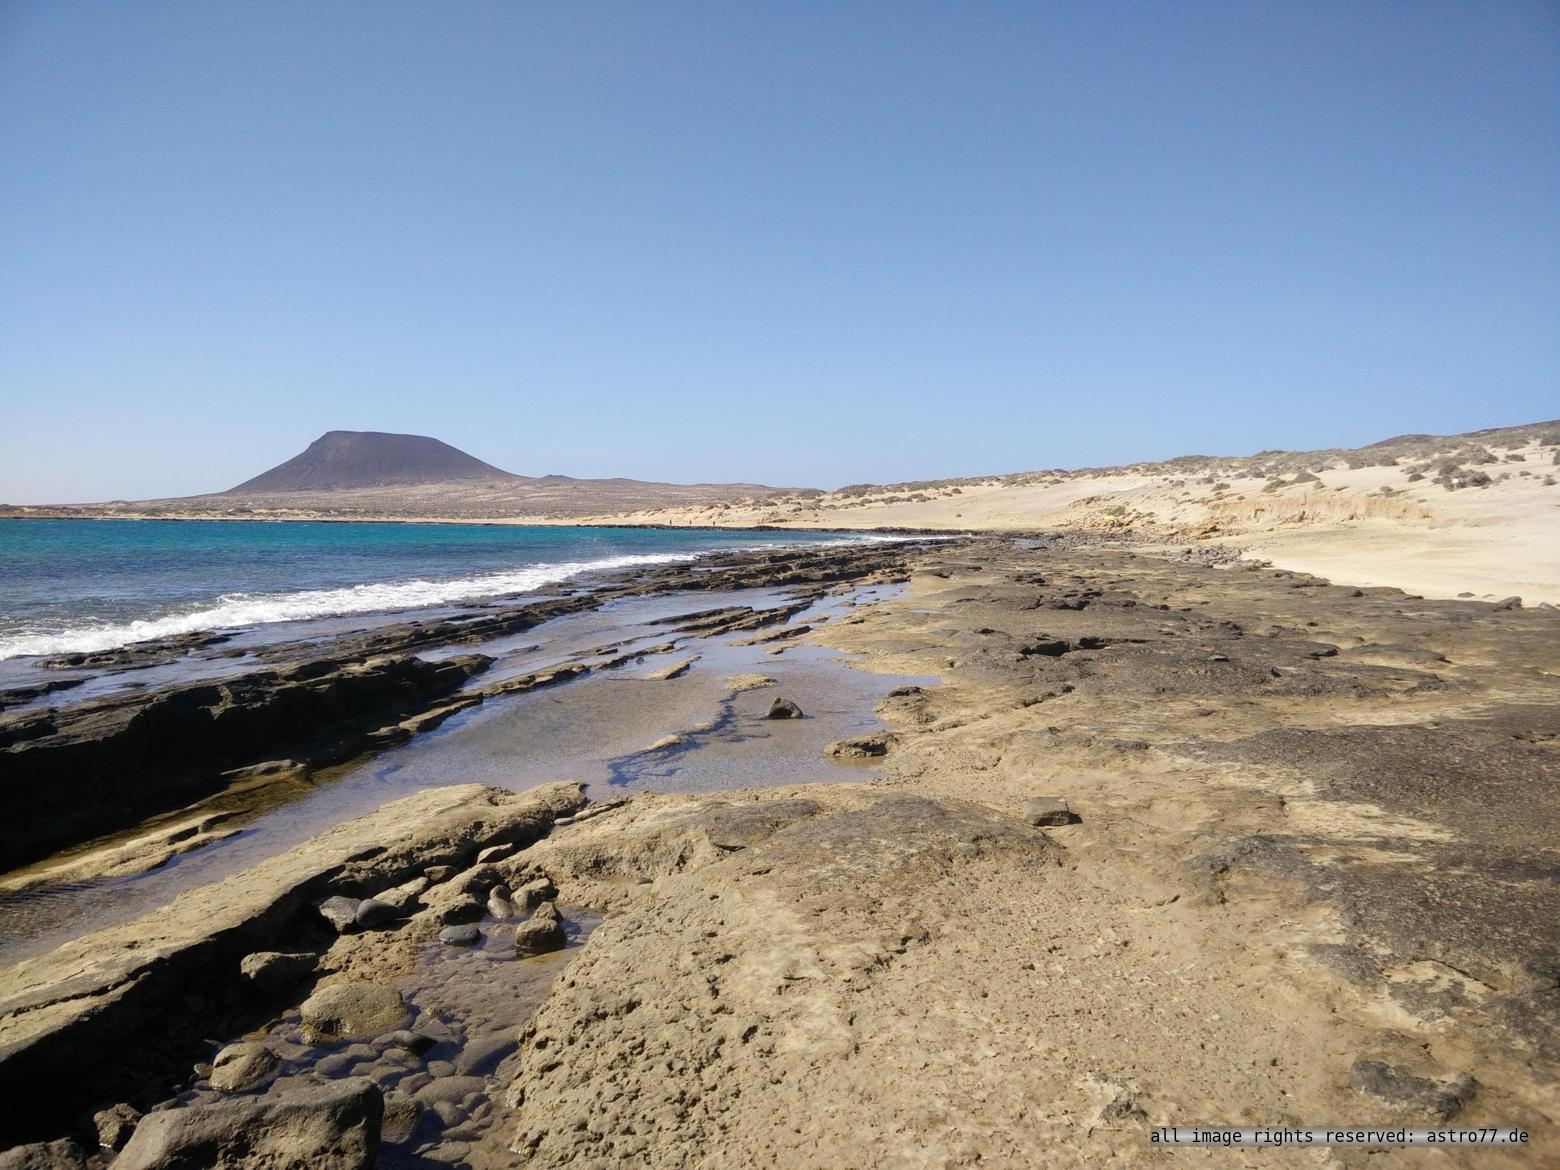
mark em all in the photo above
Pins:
pixel 439 873
pixel 499 908
pixel 115 1125
pixel 541 933
pixel 340 912
pixel 783 709
pixel 449 1113
pixel 272 972
pixel 495 853
pixel 397 896
pixel 660 745
pixel 464 910
pixel 501 892
pixel 860 748
pixel 371 912
pixel 414 1042
pixel 344 1010
pixel 466 935
pixel 676 670
pixel 242 1066
pixel 1394 1087
pixel 481 1057
pixel 1048 810
pixel 1509 603
pixel 59 1155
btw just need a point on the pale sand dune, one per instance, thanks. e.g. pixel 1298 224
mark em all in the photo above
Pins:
pixel 1361 525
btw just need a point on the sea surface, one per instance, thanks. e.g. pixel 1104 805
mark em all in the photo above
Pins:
pixel 84 585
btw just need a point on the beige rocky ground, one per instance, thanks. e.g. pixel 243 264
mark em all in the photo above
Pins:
pixel 1309 879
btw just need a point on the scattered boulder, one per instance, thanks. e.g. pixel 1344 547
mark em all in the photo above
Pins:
pixel 1392 1086
pixel 541 933
pixel 115 1125
pixel 372 912
pixel 273 972
pixel 783 709
pixel 340 912
pixel 1048 810
pixel 439 873
pixel 1509 603
pixel 499 907
pixel 61 1155
pixel 465 935
pixel 342 1011
pixel 861 747
pixel 324 1127
pixel 242 1066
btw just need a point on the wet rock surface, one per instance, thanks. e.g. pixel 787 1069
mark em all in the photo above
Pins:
pixel 1314 880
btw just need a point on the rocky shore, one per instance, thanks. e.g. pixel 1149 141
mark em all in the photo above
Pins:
pixel 1168 842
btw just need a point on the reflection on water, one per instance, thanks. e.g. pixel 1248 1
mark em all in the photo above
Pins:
pixel 595 730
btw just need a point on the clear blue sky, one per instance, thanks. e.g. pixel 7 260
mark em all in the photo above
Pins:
pixel 794 243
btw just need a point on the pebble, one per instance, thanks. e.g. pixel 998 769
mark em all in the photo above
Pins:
pixel 465 910
pixel 783 709
pixel 413 1042
pixel 372 912
pixel 439 873
pixel 465 935
pixel 340 912
pixel 495 853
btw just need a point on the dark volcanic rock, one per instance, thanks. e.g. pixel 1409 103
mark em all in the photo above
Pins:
pixel 104 765
pixel 783 709
pixel 1416 1094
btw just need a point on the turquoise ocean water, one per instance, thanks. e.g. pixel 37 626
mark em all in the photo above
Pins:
pixel 75 585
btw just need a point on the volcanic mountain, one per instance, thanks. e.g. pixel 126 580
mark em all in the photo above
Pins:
pixel 343 460
pixel 371 475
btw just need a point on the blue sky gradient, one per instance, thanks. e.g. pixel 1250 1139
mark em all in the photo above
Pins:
pixel 790 243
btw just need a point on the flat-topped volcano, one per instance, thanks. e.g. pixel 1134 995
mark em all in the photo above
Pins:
pixel 342 460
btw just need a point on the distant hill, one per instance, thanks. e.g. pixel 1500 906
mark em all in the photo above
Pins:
pixel 372 475
pixel 342 460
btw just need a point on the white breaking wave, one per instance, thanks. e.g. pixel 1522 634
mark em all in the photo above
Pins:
pixel 241 610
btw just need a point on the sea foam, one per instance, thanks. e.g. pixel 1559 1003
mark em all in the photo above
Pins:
pixel 236 611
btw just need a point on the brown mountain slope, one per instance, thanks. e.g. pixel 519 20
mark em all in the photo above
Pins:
pixel 340 460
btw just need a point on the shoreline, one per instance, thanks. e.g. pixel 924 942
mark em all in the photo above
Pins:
pixel 1297 816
